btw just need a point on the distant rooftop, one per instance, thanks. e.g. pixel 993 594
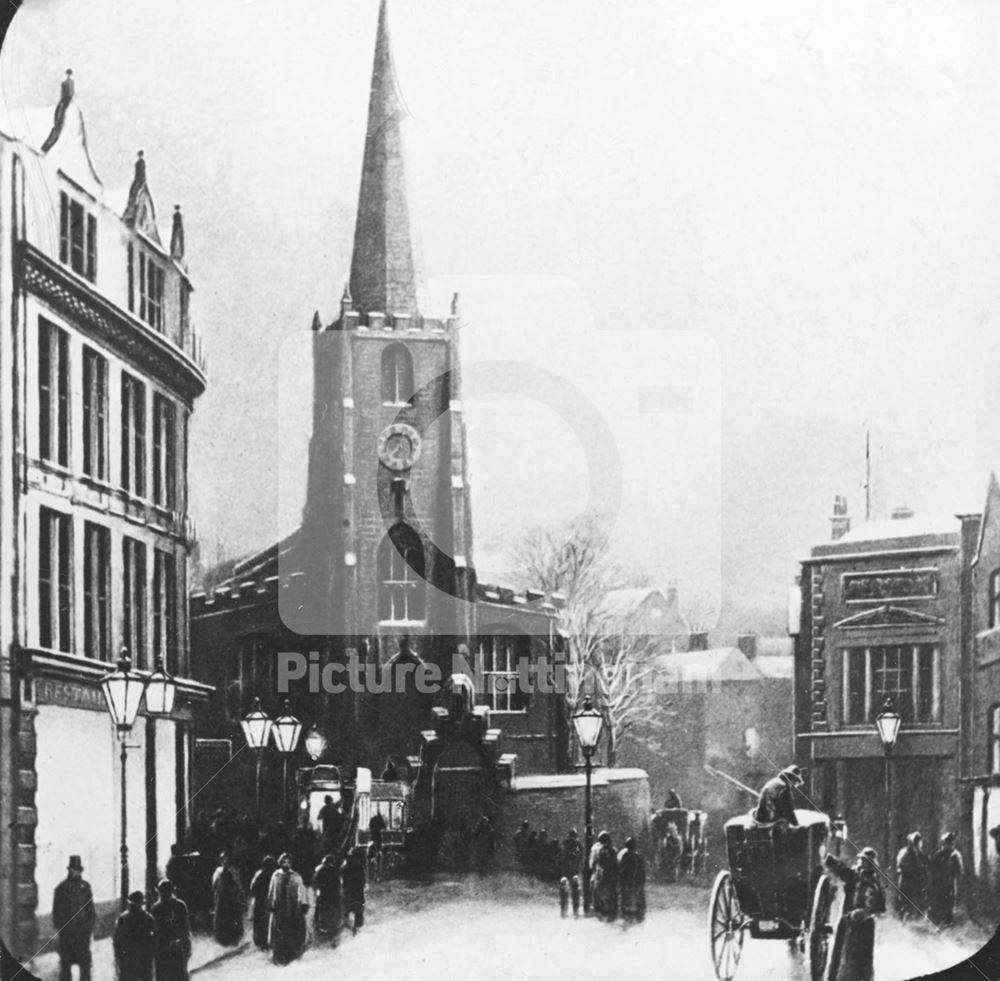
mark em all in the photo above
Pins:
pixel 714 665
pixel 915 532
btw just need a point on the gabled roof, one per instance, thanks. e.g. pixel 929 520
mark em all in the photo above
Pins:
pixel 776 666
pixel 991 508
pixel 625 602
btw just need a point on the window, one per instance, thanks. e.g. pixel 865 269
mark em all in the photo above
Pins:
pixel 251 671
pixel 95 415
pixel 77 237
pixel 55 616
pixel 402 596
pixel 397 374
pixel 53 393
pixel 994 736
pixel 150 291
pixel 165 610
pixel 164 452
pixel 909 674
pixel 499 666
pixel 96 591
pixel 134 619
pixel 994 600
pixel 133 435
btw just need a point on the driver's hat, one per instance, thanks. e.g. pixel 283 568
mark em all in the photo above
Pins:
pixel 793 773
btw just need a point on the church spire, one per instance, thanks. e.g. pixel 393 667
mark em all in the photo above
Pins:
pixel 382 272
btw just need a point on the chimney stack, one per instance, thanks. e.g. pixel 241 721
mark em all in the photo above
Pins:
pixel 672 596
pixel 840 523
pixel 698 640
pixel 747 643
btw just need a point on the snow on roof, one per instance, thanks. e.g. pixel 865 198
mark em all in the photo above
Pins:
pixel 621 602
pixel 869 531
pixel 716 664
pixel 776 666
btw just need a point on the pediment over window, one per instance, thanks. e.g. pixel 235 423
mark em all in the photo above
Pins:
pixel 889 616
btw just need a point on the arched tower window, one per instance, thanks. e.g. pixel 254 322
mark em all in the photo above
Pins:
pixel 397 374
pixel 402 587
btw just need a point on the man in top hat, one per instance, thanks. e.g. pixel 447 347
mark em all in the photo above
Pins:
pixel 133 940
pixel 853 955
pixel 946 871
pixel 73 917
pixel 775 801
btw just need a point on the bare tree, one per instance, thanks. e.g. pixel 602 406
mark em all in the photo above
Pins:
pixel 607 654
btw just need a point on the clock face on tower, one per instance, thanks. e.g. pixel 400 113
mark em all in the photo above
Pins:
pixel 399 446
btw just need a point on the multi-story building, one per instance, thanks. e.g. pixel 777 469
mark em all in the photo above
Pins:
pixel 981 764
pixel 381 569
pixel 884 616
pixel 98 376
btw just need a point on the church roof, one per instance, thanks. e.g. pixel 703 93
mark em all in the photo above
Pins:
pixel 383 277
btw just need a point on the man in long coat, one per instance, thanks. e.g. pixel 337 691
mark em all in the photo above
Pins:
pixel 632 882
pixel 228 903
pixel 604 878
pixel 289 903
pixel 853 955
pixel 173 935
pixel 328 915
pixel 73 917
pixel 260 886
pixel 946 871
pixel 134 937
pixel 775 802
pixel 353 880
pixel 912 865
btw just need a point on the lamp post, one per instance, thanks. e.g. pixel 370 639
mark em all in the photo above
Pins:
pixel 588 723
pixel 256 727
pixel 887 723
pixel 286 730
pixel 123 689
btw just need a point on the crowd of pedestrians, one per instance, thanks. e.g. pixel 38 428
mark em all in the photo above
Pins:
pixel 617 877
pixel 928 884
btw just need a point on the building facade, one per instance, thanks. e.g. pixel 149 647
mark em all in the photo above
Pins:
pixel 99 373
pixel 884 615
pixel 381 572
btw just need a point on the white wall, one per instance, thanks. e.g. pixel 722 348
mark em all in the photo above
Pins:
pixel 77 800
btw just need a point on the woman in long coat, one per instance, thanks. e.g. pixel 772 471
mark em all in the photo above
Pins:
pixel 289 903
pixel 604 878
pixel 227 910
pixel 328 915
pixel 853 954
pixel 259 887
pixel 632 882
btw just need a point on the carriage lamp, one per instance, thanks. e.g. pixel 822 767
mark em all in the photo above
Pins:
pixel 588 723
pixel 160 691
pixel 286 731
pixel 315 743
pixel 123 690
pixel 887 722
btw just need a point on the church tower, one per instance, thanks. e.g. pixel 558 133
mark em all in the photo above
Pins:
pixel 387 523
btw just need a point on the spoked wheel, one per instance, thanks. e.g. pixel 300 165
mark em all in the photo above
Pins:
pixel 725 927
pixel 820 930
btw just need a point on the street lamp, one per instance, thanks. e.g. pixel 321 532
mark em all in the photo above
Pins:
pixel 160 691
pixel 588 723
pixel 123 690
pixel 256 729
pixel 286 731
pixel 315 743
pixel 887 723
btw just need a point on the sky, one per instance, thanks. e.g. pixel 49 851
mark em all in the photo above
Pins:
pixel 739 236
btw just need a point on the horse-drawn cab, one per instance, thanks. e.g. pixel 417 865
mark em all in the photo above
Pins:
pixel 774 888
pixel 679 841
